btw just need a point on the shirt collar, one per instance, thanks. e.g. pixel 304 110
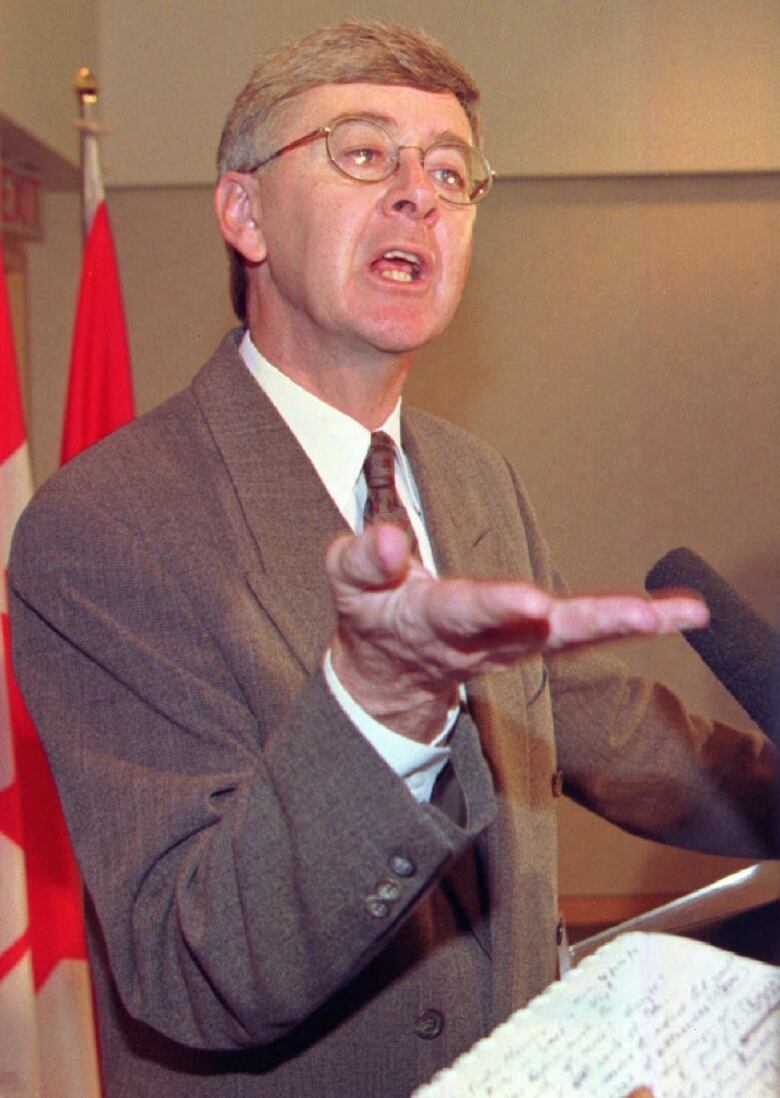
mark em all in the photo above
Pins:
pixel 334 443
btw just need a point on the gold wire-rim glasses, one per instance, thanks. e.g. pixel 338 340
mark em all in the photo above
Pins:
pixel 479 182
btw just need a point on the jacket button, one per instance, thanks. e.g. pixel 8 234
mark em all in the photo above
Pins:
pixel 557 783
pixel 402 866
pixel 377 907
pixel 388 890
pixel 429 1024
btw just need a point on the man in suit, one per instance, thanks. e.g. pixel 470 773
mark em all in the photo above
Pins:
pixel 310 774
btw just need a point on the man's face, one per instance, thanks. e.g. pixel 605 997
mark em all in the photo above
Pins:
pixel 329 284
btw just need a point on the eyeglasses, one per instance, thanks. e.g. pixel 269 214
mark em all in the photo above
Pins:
pixel 364 151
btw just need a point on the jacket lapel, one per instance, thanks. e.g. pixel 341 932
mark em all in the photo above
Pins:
pixel 456 532
pixel 465 544
pixel 288 512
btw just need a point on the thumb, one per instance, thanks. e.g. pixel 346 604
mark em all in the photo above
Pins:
pixel 377 558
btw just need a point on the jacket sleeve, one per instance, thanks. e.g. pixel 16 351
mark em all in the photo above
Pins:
pixel 240 874
pixel 631 751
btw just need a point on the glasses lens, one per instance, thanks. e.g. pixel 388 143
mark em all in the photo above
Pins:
pixel 362 150
pixel 460 172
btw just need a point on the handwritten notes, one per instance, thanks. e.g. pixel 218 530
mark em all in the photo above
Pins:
pixel 682 1017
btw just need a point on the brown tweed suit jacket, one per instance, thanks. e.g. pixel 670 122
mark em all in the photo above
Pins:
pixel 266 912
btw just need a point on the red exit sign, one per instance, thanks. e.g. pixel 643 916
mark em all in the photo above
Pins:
pixel 20 203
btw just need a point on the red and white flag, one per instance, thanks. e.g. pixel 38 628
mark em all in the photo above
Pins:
pixel 100 390
pixel 47 1035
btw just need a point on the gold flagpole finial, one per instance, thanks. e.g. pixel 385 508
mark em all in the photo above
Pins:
pixel 86 86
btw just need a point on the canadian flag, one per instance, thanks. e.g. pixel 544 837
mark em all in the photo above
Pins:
pixel 100 388
pixel 47 1036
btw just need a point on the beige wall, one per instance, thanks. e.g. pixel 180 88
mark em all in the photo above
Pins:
pixel 570 86
pixel 618 341
pixel 42 44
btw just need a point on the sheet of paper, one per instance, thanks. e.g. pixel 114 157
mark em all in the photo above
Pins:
pixel 684 1018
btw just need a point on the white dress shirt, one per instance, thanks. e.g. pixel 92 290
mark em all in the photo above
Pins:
pixel 337 445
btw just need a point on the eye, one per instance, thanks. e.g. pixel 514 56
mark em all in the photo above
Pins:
pixel 361 149
pixel 363 156
pixel 448 165
pixel 450 178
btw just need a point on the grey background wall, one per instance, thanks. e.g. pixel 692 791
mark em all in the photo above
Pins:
pixel 619 336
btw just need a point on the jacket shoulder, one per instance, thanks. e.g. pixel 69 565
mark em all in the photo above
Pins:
pixel 143 459
pixel 441 435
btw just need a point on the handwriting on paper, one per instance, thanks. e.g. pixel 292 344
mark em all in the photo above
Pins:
pixel 684 1018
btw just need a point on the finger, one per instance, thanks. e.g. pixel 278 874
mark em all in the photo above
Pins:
pixel 473 614
pixel 583 619
pixel 680 611
pixel 588 618
pixel 372 560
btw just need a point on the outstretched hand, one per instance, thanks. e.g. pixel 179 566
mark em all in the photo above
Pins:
pixel 406 639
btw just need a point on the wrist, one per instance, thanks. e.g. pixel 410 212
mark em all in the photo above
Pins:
pixel 391 694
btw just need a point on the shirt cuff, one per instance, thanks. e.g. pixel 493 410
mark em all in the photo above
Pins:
pixel 417 764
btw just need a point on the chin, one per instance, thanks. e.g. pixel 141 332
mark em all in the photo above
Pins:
pixel 402 336
pixel 397 343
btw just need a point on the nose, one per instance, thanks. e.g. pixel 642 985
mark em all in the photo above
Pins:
pixel 410 189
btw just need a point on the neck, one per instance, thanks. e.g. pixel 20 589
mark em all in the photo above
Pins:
pixel 365 386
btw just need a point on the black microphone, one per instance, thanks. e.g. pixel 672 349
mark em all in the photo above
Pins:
pixel 738 645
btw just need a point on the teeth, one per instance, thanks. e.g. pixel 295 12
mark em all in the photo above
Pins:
pixel 400 274
pixel 410 257
pixel 397 276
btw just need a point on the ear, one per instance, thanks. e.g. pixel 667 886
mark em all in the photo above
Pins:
pixel 237 205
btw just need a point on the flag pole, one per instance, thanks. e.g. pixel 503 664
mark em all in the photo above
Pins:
pixel 92 190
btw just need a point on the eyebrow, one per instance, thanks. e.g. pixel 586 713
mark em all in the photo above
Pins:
pixel 389 122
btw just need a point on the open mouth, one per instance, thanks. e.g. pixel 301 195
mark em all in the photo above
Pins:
pixel 398 266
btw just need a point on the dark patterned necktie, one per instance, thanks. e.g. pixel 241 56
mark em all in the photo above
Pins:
pixel 382 502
